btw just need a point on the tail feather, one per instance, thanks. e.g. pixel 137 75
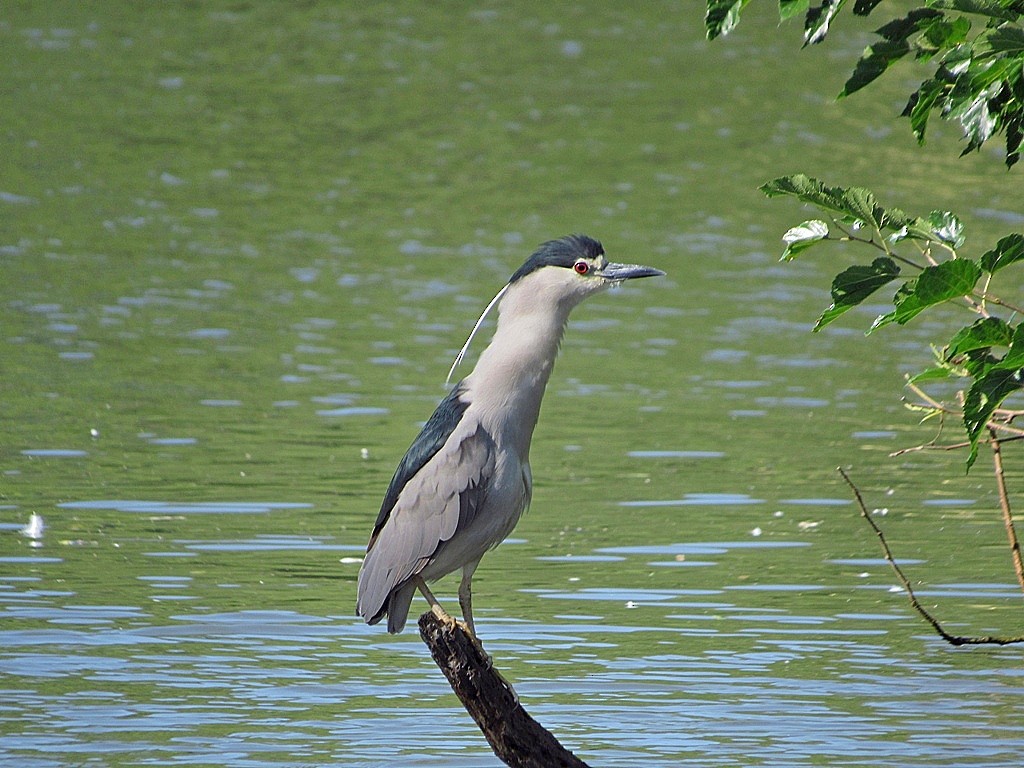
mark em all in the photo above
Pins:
pixel 397 604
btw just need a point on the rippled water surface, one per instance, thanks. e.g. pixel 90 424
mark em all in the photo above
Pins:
pixel 240 245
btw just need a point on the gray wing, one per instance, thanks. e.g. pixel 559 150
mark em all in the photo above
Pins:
pixel 435 433
pixel 440 499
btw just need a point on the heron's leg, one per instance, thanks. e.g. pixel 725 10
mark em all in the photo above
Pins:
pixel 435 606
pixel 466 595
pixel 466 604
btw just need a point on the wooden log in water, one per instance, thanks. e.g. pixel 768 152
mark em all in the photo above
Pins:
pixel 516 738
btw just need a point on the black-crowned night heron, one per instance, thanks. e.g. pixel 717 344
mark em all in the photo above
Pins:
pixel 465 481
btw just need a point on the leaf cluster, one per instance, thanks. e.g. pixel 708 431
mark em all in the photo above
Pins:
pixel 976 46
pixel 989 353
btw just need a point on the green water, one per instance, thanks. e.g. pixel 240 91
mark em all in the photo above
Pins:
pixel 240 245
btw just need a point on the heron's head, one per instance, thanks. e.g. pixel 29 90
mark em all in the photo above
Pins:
pixel 571 268
pixel 557 276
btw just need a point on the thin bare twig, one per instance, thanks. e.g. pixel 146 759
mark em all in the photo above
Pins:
pixel 905 583
pixel 932 402
pixel 1005 304
pixel 1016 431
pixel 927 253
pixel 1004 504
pixel 932 446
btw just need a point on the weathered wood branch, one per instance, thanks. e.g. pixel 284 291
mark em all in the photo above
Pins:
pixel 516 738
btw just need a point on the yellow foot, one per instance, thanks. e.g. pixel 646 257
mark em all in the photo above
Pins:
pixel 443 615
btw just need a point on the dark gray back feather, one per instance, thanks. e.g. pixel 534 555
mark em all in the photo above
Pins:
pixel 430 440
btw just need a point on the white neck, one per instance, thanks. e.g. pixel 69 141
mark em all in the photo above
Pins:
pixel 508 382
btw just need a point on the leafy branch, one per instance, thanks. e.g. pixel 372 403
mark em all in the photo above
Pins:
pixel 988 353
pixel 976 47
pixel 976 51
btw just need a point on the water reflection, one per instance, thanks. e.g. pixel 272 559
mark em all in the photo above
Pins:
pixel 232 288
pixel 276 677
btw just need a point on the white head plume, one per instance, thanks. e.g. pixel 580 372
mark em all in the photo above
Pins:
pixel 465 347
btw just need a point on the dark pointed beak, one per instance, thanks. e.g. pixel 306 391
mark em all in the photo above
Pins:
pixel 619 272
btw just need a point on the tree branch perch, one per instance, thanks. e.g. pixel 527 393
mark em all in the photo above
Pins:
pixel 516 738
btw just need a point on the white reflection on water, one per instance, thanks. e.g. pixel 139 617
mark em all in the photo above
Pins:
pixel 35 528
pixel 701 547
pixel 179 508
pixel 696 499
pixel 353 410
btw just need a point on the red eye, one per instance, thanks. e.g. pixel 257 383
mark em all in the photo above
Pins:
pixel 581 267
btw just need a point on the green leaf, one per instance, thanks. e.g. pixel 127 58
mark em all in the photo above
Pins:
pixel 894 218
pixel 984 396
pixel 984 334
pixel 904 27
pixel 977 362
pixel 1002 70
pixel 996 9
pixel 864 7
pixel 790 8
pixel 803 236
pixel 981 97
pixel 818 19
pixel 860 203
pixel 940 227
pixel 920 105
pixel 976 118
pixel 939 34
pixel 1004 39
pixel 946 228
pixel 722 17
pixel 857 204
pixel 936 284
pixel 905 304
pixel 873 62
pixel 992 386
pixel 851 286
pixel 917 229
pixel 1014 137
pixel 1008 250
pixel 804 187
pixel 948 280
pixel 1014 359
pixel 936 373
